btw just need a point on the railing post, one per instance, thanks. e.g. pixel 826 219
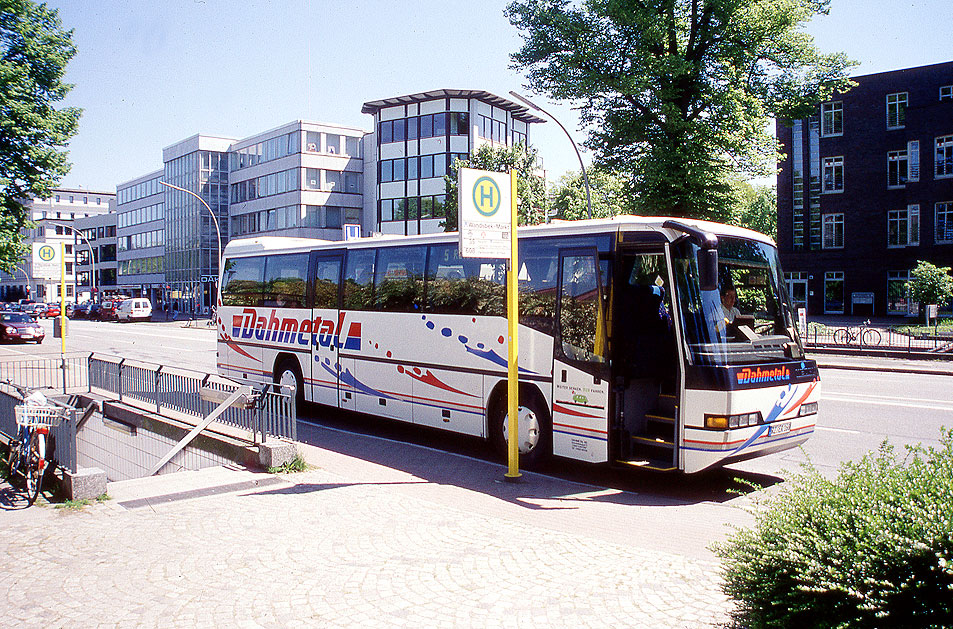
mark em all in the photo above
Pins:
pixel 155 390
pixel 89 372
pixel 119 384
pixel 63 369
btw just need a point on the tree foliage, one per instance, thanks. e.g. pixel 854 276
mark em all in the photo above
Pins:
pixel 609 191
pixel 678 93
pixel 931 284
pixel 757 209
pixel 34 51
pixel 501 159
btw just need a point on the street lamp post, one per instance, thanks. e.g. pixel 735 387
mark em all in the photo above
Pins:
pixel 218 232
pixel 585 177
pixel 92 254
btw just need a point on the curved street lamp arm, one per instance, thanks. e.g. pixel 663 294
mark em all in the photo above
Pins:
pixel 585 176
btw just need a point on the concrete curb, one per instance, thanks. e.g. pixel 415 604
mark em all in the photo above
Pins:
pixel 912 370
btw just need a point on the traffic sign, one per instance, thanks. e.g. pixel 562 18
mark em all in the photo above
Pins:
pixel 484 210
pixel 46 260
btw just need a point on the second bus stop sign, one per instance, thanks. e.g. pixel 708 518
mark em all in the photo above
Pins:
pixel 484 200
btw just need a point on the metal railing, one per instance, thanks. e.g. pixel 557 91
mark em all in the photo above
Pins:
pixel 861 337
pixel 64 434
pixel 64 373
pixel 179 390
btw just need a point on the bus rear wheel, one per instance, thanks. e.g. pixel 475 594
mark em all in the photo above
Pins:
pixel 288 373
pixel 534 431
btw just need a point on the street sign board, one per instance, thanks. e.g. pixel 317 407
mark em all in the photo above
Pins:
pixel 484 213
pixel 46 260
pixel 352 231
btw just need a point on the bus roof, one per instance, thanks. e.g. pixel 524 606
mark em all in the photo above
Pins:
pixel 268 244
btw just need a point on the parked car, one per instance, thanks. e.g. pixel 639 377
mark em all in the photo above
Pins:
pixel 92 311
pixel 20 326
pixel 135 309
pixel 107 311
pixel 79 311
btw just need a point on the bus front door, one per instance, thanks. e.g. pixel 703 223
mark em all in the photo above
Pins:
pixel 580 367
pixel 325 321
pixel 645 368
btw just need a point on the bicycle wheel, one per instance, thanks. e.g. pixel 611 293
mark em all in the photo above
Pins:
pixel 13 457
pixel 842 336
pixel 871 337
pixel 35 466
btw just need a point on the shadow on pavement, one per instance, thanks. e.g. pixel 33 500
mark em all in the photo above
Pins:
pixel 466 462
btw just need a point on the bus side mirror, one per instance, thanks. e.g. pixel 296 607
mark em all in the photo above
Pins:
pixel 708 269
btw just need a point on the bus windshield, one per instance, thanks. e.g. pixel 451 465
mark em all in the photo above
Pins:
pixel 747 319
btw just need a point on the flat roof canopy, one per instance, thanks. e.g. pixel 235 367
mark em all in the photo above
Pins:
pixel 518 111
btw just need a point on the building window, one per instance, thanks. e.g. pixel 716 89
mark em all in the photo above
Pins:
pixel 944 156
pixel 944 222
pixel 897 169
pixel 833 228
pixel 832 119
pixel 946 92
pixel 896 110
pixel 903 227
pixel 833 174
pixel 898 293
pixel 834 292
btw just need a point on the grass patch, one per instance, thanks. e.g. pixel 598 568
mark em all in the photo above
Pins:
pixel 296 464
pixel 76 505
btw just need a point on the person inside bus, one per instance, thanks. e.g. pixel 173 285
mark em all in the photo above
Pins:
pixel 729 296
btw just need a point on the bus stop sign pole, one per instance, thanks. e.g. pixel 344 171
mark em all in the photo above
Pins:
pixel 512 319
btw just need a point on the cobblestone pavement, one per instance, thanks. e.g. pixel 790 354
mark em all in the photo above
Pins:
pixel 231 547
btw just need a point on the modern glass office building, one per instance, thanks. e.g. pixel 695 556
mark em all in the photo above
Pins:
pixel 196 221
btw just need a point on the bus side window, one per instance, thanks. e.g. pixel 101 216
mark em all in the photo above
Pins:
pixel 359 279
pixel 326 283
pixel 537 284
pixel 242 281
pixel 399 286
pixel 458 285
pixel 285 280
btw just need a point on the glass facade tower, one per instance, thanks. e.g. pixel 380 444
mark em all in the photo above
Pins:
pixel 191 239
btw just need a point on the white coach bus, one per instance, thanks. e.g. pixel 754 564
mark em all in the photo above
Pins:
pixel 631 351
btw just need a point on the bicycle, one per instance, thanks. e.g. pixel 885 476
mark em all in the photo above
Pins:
pixel 864 334
pixel 27 454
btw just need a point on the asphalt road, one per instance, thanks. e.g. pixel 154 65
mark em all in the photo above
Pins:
pixel 859 409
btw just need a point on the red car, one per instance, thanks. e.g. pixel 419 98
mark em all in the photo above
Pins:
pixel 52 310
pixel 19 326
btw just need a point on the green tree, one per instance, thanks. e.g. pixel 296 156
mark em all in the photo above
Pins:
pixel 758 209
pixel 679 92
pixel 609 192
pixel 34 51
pixel 501 159
pixel 930 284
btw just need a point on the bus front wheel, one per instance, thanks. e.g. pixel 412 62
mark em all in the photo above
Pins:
pixel 534 431
pixel 288 373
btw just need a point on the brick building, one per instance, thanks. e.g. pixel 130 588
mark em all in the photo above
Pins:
pixel 865 190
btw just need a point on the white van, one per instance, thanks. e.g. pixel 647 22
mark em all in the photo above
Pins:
pixel 134 310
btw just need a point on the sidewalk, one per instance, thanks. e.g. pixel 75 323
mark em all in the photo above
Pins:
pixel 402 537
pixel 938 367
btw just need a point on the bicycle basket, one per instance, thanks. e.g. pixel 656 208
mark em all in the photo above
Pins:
pixel 39 415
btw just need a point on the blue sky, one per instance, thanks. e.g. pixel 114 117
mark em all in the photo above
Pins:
pixel 149 74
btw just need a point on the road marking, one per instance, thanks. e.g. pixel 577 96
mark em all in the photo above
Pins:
pixel 864 400
pixel 842 430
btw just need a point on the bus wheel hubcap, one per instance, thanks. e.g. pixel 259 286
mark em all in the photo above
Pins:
pixel 527 429
pixel 288 379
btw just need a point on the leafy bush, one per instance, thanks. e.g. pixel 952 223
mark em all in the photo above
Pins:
pixel 871 548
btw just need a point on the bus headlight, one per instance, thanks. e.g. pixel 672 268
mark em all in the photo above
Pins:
pixel 740 420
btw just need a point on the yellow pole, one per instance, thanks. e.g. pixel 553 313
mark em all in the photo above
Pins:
pixel 512 316
pixel 63 298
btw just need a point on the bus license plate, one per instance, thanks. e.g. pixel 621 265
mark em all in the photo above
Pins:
pixel 779 428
